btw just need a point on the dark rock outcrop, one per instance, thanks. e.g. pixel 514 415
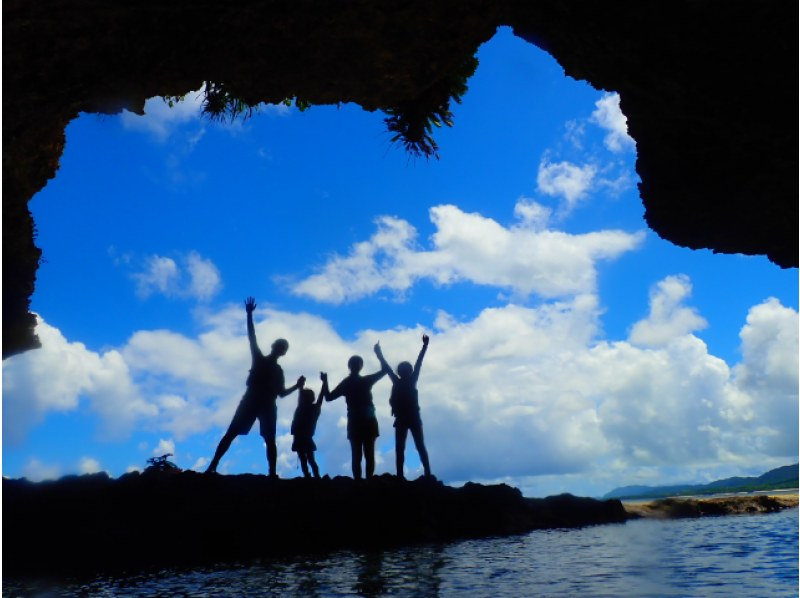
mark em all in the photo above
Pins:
pixel 90 524
pixel 709 89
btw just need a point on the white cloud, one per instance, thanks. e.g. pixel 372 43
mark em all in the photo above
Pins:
pixel 533 215
pixel 525 258
pixel 517 393
pixel 160 275
pixel 196 277
pixel 204 278
pixel 161 120
pixel 164 446
pixel 608 115
pixel 668 318
pixel 53 378
pixel 565 180
pixel 37 471
pixel 89 465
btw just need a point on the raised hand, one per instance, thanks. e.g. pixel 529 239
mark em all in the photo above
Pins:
pixel 377 348
pixel 324 377
pixel 425 339
pixel 250 304
pixel 301 382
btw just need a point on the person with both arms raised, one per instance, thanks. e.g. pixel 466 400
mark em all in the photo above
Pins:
pixel 404 402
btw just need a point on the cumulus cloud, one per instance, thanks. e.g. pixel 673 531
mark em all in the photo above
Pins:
pixel 565 180
pixel 37 471
pixel 536 390
pixel 161 120
pixel 668 318
pixel 526 258
pixel 53 378
pixel 165 446
pixel 608 115
pixel 89 465
pixel 195 277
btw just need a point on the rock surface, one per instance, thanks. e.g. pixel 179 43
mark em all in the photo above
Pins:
pixel 709 90
pixel 91 524
pixel 680 508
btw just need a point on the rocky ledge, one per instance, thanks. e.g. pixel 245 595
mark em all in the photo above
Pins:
pixel 92 524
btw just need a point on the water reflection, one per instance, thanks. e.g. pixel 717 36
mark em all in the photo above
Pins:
pixel 737 555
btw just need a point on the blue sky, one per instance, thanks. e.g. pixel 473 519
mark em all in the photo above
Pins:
pixel 572 349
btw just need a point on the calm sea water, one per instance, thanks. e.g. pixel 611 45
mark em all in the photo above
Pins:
pixel 747 555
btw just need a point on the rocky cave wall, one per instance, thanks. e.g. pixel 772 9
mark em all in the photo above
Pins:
pixel 709 90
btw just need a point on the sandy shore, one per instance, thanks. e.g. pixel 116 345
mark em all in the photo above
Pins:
pixel 680 507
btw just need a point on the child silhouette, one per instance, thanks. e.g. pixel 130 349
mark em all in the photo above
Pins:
pixel 304 424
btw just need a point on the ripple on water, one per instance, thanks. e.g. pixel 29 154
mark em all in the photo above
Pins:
pixel 747 555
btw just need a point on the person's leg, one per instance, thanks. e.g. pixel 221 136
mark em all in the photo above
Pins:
pixel 222 448
pixel 313 464
pixel 369 456
pixel 268 420
pixel 272 456
pixel 419 442
pixel 303 463
pixel 400 434
pixel 355 454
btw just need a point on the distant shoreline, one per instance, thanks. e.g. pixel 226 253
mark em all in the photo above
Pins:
pixel 713 505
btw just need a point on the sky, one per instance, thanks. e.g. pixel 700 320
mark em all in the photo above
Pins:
pixel 572 349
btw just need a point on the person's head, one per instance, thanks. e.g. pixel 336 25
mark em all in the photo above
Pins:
pixel 404 369
pixel 305 397
pixel 355 363
pixel 280 347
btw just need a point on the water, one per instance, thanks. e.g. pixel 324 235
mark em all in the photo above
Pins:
pixel 747 555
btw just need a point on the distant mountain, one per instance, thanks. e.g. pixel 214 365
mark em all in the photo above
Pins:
pixel 775 479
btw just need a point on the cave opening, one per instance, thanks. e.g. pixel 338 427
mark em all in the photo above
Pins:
pixel 524 240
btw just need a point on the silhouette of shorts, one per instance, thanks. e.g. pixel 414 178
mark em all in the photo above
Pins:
pixel 303 444
pixel 408 423
pixel 251 408
pixel 362 429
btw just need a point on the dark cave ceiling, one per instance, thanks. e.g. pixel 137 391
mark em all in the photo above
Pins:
pixel 710 91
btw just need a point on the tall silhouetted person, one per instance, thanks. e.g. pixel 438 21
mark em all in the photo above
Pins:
pixel 304 424
pixel 362 425
pixel 404 402
pixel 265 384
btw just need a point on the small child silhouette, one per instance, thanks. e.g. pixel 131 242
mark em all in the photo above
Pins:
pixel 304 424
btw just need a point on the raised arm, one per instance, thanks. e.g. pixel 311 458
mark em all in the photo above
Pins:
pixel 324 392
pixel 384 366
pixel 418 366
pixel 249 306
pixel 301 381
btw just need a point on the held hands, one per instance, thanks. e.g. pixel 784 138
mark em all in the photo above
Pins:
pixel 249 305
pixel 324 377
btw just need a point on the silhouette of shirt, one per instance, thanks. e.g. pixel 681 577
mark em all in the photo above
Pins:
pixel 357 391
pixel 265 379
pixel 404 400
pixel 304 423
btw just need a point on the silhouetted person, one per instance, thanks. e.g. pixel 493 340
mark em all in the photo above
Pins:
pixel 362 425
pixel 404 402
pixel 304 424
pixel 265 384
